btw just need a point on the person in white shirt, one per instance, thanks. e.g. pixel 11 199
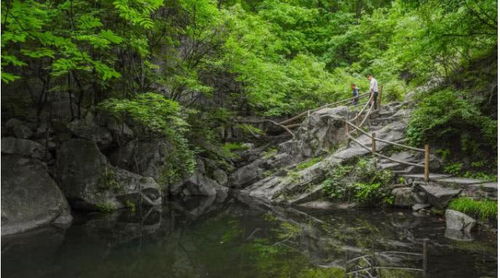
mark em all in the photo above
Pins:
pixel 373 90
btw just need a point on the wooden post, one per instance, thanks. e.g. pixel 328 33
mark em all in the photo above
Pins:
pixel 374 147
pixel 426 163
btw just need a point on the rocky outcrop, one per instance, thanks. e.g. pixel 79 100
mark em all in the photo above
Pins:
pixel 319 133
pixel 90 182
pixel 30 197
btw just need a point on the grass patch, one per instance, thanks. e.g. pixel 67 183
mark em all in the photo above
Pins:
pixel 308 163
pixel 482 209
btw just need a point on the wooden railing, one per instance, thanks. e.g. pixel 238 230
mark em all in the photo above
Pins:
pixel 367 109
pixel 373 149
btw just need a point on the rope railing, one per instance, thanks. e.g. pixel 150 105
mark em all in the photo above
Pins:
pixel 374 139
pixel 298 116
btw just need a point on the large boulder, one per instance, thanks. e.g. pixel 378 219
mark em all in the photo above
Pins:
pixel 321 132
pixel 90 182
pixel 30 197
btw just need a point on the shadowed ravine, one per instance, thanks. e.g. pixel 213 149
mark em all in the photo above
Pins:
pixel 239 237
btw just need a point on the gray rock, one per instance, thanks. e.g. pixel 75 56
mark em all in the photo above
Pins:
pixel 200 185
pixel 88 129
pixel 321 131
pixel 22 131
pixel 438 196
pixel 30 197
pixel 459 225
pixel 246 175
pixel 90 182
pixel 403 197
pixel 220 176
pixel 418 207
pixel 24 147
pixel 147 158
pixel 456 220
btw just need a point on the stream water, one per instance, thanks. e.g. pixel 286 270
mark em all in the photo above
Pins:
pixel 239 237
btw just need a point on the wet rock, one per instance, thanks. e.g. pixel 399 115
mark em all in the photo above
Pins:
pixel 456 220
pixel 24 147
pixel 90 182
pixel 459 225
pixel 30 197
pixel 438 196
pixel 403 197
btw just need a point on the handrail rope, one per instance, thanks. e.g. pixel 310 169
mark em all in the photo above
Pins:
pixel 385 141
pixel 367 114
pixel 364 107
pixel 384 156
pixel 321 107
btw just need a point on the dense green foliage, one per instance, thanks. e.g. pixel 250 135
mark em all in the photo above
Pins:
pixel 483 209
pixel 361 183
pixel 214 60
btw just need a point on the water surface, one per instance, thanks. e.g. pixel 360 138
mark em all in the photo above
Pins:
pixel 239 237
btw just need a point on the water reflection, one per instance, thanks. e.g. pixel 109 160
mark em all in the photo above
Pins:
pixel 240 237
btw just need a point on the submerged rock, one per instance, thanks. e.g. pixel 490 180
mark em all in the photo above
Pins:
pixel 30 197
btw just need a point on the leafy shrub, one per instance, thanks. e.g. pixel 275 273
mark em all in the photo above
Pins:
pixel 394 90
pixel 158 116
pixel 454 168
pixel 482 209
pixel 361 183
pixel 448 120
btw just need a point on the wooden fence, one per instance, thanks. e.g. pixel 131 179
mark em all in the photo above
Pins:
pixel 367 110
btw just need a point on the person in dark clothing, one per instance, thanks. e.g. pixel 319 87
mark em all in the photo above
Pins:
pixel 355 94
